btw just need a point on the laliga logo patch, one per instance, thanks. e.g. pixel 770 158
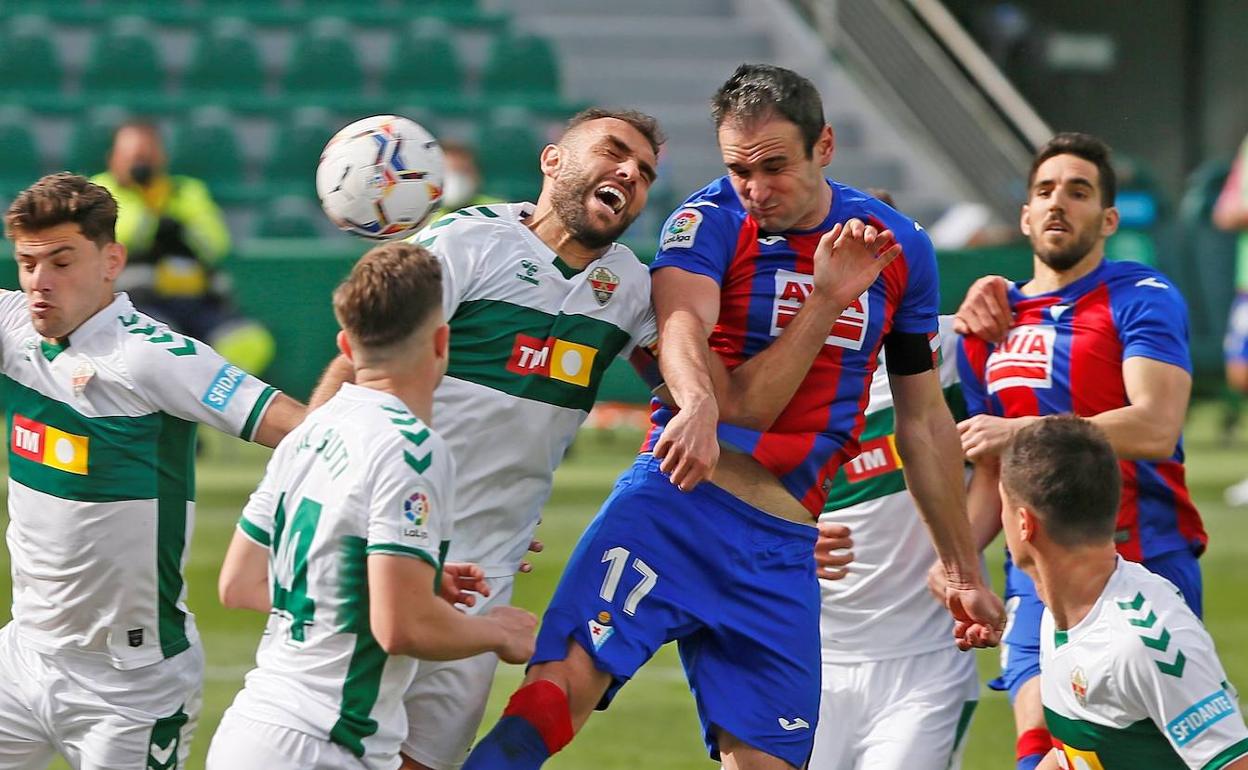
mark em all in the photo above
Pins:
pixel 1024 360
pixel 600 629
pixel 415 512
pixel 682 228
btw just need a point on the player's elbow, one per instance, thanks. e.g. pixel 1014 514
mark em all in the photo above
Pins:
pixel 393 637
pixel 742 413
pixel 233 595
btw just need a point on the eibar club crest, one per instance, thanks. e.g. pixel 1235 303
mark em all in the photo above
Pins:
pixel 603 282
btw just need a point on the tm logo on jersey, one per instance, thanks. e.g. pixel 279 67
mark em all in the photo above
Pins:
pixel 48 446
pixel 223 387
pixel 877 457
pixel 792 289
pixel 552 357
pixel 1024 360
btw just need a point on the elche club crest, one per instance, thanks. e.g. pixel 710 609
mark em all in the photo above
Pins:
pixel 1079 686
pixel 603 283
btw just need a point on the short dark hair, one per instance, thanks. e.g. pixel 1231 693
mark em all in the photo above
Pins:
pixel 645 124
pixel 1085 146
pixel 759 91
pixel 59 198
pixel 392 290
pixel 1063 469
pixel 142 125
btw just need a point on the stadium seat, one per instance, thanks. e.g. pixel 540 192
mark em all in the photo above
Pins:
pixel 90 140
pixel 423 61
pixel 204 146
pixel 295 148
pixel 289 216
pixel 19 155
pixel 225 60
pixel 324 59
pixel 29 64
pixel 508 147
pixel 521 65
pixel 124 59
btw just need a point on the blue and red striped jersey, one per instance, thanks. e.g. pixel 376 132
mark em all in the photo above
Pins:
pixel 1064 353
pixel 764 279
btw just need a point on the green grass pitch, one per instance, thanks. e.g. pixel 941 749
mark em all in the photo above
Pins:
pixel 652 723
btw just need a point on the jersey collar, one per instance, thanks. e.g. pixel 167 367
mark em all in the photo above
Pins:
pixel 120 306
pixel 1071 291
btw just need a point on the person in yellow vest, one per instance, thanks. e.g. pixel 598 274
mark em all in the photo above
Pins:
pixel 461 186
pixel 177 237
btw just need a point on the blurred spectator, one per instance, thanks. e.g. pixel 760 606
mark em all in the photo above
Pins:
pixel 176 237
pixel 462 184
pixel 1231 213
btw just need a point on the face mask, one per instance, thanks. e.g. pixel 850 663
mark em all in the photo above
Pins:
pixel 458 189
pixel 142 174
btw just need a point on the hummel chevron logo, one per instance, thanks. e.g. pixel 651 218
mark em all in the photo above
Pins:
pixel 162 754
pixel 1160 643
pixel 1153 282
pixel 416 438
pixel 1174 669
pixel 1146 622
pixel 796 724
pixel 421 465
pixel 1134 604
pixel 401 421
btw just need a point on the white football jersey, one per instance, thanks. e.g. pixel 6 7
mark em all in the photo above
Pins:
pixel 1137 683
pixel 882 609
pixel 102 476
pixel 361 475
pixel 530 340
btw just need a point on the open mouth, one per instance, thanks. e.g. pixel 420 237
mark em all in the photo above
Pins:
pixel 612 197
pixel 1056 227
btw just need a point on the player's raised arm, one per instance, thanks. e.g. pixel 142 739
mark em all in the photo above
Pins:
pixel 927 441
pixel 282 415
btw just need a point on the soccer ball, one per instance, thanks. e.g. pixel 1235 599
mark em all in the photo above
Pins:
pixel 380 177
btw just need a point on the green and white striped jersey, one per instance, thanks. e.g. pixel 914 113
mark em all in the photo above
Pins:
pixel 1137 683
pixel 530 340
pixel 882 609
pixel 102 476
pixel 361 475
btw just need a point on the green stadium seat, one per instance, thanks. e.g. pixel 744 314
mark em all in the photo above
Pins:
pixel 124 59
pixel 90 140
pixel 29 63
pixel 225 60
pixel 324 59
pixel 520 65
pixel 295 149
pixel 289 216
pixel 204 146
pixel 19 155
pixel 508 147
pixel 423 61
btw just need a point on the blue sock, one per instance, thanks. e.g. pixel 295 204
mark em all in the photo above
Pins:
pixel 513 744
pixel 1030 762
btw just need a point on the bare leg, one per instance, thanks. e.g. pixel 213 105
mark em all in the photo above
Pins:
pixel 736 755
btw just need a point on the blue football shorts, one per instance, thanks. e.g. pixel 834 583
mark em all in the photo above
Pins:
pixel 733 586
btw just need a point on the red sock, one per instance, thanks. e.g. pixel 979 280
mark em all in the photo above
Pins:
pixel 1034 741
pixel 544 705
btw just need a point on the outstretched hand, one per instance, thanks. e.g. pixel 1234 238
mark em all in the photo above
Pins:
pixel 850 257
pixel 985 312
pixel 462 582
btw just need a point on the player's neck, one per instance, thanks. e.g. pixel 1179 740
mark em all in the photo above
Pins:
pixel 550 230
pixel 1045 279
pixel 816 215
pixel 1072 583
pixel 416 392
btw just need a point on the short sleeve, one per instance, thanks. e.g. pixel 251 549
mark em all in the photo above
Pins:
pixel 186 378
pixel 14 318
pixel 411 502
pixel 920 302
pixel 449 241
pixel 256 521
pixel 699 239
pixel 1178 681
pixel 972 354
pixel 1152 321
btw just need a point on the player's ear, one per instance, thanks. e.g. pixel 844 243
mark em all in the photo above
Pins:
pixel 1109 225
pixel 825 146
pixel 549 159
pixel 1022 220
pixel 1027 525
pixel 442 342
pixel 114 260
pixel 344 345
